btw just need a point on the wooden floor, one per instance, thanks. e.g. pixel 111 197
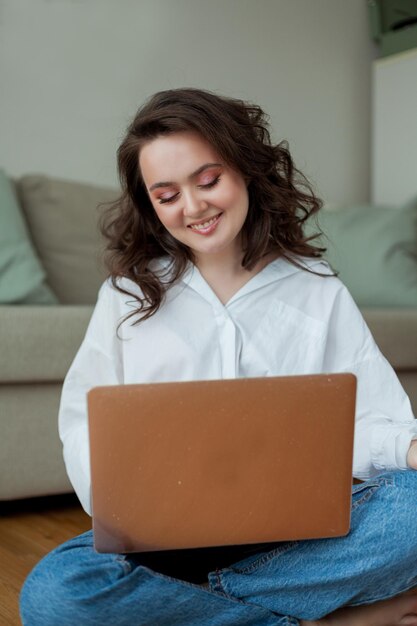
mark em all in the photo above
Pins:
pixel 29 529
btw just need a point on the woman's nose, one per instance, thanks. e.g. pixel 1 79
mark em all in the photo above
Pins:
pixel 193 205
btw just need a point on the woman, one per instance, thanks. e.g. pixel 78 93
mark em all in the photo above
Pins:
pixel 211 276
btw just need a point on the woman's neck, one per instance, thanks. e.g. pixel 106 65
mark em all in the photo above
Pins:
pixel 227 276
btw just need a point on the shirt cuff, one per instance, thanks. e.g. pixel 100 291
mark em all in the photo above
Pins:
pixel 390 444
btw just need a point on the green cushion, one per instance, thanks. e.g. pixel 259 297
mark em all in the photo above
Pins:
pixel 22 278
pixel 374 248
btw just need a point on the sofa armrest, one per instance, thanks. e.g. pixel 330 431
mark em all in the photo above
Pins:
pixel 395 331
pixel 38 343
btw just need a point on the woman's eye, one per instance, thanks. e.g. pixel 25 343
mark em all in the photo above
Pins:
pixel 165 200
pixel 211 183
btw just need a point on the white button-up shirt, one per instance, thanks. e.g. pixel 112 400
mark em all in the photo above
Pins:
pixel 284 321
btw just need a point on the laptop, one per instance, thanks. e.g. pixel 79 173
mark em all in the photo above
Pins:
pixel 221 462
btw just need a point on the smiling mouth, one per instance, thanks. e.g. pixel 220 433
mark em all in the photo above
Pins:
pixel 206 224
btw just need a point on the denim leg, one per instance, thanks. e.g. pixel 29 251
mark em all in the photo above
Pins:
pixel 309 579
pixel 76 585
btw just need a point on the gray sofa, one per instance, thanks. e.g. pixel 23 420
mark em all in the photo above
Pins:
pixel 38 342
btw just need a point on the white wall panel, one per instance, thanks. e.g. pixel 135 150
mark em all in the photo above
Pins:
pixel 394 132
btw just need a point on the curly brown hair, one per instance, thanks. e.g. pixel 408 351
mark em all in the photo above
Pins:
pixel 280 197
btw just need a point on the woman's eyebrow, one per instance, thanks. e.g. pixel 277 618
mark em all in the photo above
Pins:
pixel 197 171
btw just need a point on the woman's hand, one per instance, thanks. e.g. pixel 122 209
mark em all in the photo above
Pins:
pixel 412 455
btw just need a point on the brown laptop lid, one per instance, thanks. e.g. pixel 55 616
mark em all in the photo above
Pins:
pixel 211 463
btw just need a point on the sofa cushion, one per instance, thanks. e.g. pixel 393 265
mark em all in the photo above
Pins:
pixel 395 332
pixel 38 344
pixel 62 218
pixel 22 278
pixel 374 249
pixel 31 455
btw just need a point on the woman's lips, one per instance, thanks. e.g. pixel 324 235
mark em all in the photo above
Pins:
pixel 207 227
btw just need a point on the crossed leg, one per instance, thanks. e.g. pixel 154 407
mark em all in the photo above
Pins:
pixel 398 611
pixel 357 580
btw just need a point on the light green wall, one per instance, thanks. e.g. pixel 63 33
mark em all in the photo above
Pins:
pixel 73 73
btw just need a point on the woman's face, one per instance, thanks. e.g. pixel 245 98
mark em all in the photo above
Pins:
pixel 199 199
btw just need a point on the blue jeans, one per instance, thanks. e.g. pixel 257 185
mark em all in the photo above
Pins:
pixel 295 580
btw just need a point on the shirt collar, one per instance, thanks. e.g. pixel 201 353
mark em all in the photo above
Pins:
pixel 273 272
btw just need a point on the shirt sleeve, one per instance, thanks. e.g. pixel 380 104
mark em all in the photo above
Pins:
pixel 385 423
pixel 97 362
